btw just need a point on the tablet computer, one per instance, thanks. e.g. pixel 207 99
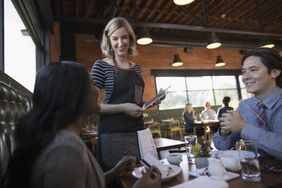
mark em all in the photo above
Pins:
pixel 156 98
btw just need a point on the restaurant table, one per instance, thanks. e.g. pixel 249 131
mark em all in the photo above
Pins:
pixel 212 124
pixel 268 179
pixel 166 144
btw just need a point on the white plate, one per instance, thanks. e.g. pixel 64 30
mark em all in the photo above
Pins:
pixel 166 173
pixel 226 177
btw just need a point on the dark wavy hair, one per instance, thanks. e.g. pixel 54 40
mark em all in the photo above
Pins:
pixel 58 100
pixel 269 57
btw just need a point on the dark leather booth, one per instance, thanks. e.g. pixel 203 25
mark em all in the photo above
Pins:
pixel 15 101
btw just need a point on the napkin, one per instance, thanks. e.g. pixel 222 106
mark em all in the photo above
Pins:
pixel 203 181
pixel 146 143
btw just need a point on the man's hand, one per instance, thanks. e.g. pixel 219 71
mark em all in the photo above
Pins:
pixel 231 122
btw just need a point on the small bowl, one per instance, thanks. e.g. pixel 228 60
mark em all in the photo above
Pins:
pixel 231 160
pixel 174 158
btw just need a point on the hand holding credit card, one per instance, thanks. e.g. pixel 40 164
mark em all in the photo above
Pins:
pixel 156 98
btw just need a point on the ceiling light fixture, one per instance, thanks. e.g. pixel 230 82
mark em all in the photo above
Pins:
pixel 182 2
pixel 219 61
pixel 143 36
pixel 266 43
pixel 213 42
pixel 176 61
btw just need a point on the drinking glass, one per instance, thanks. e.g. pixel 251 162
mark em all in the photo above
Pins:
pixel 249 160
pixel 190 142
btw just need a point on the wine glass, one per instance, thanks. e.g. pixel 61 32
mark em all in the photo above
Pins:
pixel 190 142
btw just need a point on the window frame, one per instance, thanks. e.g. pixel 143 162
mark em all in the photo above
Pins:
pixel 198 73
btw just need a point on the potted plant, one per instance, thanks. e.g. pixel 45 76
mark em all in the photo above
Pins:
pixel 201 152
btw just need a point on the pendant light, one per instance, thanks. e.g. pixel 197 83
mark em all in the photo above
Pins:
pixel 219 61
pixel 182 2
pixel 266 43
pixel 213 42
pixel 143 36
pixel 176 61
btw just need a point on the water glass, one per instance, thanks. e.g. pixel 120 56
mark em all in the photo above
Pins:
pixel 190 142
pixel 249 160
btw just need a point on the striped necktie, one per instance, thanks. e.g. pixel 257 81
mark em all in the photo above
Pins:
pixel 261 118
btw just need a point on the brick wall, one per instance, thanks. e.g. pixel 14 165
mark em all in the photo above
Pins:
pixel 153 57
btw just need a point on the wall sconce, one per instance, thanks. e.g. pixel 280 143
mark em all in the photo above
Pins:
pixel 182 2
pixel 219 61
pixel 143 36
pixel 213 42
pixel 176 61
pixel 266 43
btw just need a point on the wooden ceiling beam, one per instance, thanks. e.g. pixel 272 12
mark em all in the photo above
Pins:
pixel 190 12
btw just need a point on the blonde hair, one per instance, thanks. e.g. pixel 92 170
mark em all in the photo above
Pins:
pixel 186 108
pixel 112 26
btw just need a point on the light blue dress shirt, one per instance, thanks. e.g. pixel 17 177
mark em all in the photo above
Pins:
pixel 268 138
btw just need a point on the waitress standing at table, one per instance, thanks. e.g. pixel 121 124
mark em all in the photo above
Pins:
pixel 121 114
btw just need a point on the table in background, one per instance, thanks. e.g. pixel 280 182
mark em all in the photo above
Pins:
pixel 268 179
pixel 166 144
pixel 212 124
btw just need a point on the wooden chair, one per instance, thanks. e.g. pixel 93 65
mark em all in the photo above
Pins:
pixel 155 128
pixel 175 129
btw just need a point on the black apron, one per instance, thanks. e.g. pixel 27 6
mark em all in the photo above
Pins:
pixel 118 132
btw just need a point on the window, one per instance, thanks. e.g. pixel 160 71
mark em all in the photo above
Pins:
pixel 199 89
pixel 225 86
pixel 19 50
pixel 245 94
pixel 177 92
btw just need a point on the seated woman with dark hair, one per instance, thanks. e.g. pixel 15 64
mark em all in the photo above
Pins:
pixel 50 153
